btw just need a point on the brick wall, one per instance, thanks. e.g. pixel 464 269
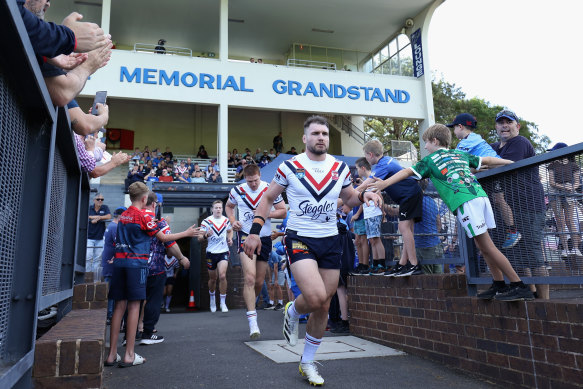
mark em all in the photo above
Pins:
pixel 70 355
pixel 521 344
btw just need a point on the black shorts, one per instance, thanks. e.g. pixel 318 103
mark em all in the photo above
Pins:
pixel 128 283
pixel 265 246
pixel 170 280
pixel 213 259
pixel 326 251
pixel 412 208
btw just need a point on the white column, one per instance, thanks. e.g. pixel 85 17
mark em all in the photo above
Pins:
pixel 224 31
pixel 223 140
pixel 105 15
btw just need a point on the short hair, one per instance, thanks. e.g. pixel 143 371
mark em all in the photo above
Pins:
pixel 362 162
pixel 439 132
pixel 137 191
pixel 251 170
pixel 373 146
pixel 152 198
pixel 98 194
pixel 217 202
pixel 315 119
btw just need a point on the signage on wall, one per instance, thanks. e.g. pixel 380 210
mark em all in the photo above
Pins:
pixel 417 53
pixel 279 87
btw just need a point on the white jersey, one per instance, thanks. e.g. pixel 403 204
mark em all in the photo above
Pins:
pixel 313 188
pixel 217 242
pixel 247 201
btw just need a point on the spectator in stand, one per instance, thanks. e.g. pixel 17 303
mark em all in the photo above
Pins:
pixel 98 214
pixel 149 167
pixel 161 167
pixel 258 155
pixel 427 242
pixel 134 175
pixel 152 176
pixel 137 155
pixel 230 160
pixel 142 168
pixel 215 178
pixel 263 162
pixel 247 153
pixel 278 143
pixel 271 154
pixel 166 176
pixel 155 158
pixel 108 254
pixel 214 165
pixel 189 165
pixel 196 168
pixel 168 153
pixel 197 177
pixel 292 151
pixel 146 156
pixel 180 169
pixel 564 179
pixel 239 173
pixel 184 177
pixel 202 153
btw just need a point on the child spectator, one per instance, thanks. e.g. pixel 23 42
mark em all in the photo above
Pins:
pixel 427 242
pixel 108 255
pixel 449 171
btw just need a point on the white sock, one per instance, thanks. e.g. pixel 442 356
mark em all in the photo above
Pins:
pixel 252 318
pixel 280 302
pixel 291 311
pixel 223 297
pixel 168 298
pixel 310 348
pixel 271 302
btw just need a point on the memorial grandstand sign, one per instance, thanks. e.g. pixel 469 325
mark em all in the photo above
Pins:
pixel 259 86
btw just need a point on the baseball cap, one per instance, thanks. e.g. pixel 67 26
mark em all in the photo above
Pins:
pixel 119 211
pixel 505 113
pixel 464 119
pixel 559 145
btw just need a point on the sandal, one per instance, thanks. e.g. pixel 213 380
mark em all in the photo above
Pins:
pixel 138 360
pixel 117 360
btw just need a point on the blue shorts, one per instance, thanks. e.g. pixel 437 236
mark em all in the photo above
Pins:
pixel 265 246
pixel 326 251
pixel 213 259
pixel 373 226
pixel 359 227
pixel 128 283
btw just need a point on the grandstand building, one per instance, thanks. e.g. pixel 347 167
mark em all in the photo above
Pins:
pixel 181 74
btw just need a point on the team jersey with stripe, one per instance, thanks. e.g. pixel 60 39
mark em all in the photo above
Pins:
pixel 312 189
pixel 134 231
pixel 217 242
pixel 247 201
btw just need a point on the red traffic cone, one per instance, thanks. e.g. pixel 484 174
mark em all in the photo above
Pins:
pixel 191 303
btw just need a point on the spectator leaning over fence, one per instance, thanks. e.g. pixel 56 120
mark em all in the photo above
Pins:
pixel 449 171
pixel 409 197
pixel 108 254
pixel 427 242
pixel 128 283
pixel 564 180
pixel 157 273
pixel 50 40
pixel 525 195
pixel 98 214
pixel 463 128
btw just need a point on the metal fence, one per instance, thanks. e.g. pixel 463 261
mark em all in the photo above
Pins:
pixel 42 195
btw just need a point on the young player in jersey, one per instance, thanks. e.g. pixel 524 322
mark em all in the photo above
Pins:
pixel 128 282
pixel 219 233
pixel 313 181
pixel 449 171
pixel 246 197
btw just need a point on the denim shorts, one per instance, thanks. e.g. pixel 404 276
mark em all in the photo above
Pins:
pixel 359 227
pixel 373 226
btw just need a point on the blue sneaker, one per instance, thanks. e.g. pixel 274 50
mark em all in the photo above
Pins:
pixel 511 239
pixel 377 270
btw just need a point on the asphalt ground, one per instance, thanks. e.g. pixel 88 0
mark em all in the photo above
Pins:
pixel 208 350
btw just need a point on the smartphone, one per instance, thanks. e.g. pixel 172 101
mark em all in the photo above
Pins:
pixel 100 98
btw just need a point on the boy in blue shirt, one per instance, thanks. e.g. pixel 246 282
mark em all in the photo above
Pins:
pixel 463 126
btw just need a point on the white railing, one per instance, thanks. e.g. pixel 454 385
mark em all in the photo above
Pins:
pixel 305 63
pixel 168 50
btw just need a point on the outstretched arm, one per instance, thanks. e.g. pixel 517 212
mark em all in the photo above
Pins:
pixel 379 185
pixel 495 162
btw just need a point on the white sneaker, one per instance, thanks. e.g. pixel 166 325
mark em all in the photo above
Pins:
pixel 290 327
pixel 310 371
pixel 254 332
pixel 213 304
pixel 224 308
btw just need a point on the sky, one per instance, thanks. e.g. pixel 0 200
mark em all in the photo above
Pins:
pixel 524 55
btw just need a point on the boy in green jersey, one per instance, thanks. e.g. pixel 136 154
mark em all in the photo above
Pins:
pixel 449 170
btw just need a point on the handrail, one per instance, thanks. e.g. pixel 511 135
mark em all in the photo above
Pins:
pixel 168 50
pixel 306 63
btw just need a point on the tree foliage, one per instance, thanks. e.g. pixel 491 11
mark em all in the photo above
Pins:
pixel 449 100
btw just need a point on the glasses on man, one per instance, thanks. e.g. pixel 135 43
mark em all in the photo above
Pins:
pixel 507 113
pixel 98 199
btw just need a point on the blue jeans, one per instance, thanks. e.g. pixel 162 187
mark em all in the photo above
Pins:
pixel 110 302
pixel 93 255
